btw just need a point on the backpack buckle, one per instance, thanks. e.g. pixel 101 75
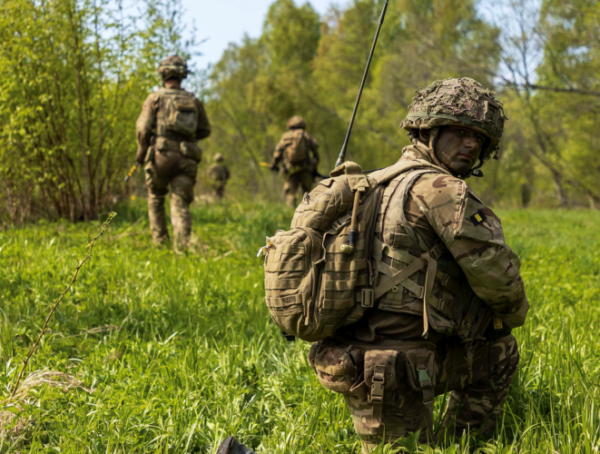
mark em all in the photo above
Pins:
pixel 367 298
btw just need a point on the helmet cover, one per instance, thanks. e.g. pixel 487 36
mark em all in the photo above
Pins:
pixel 173 67
pixel 296 122
pixel 460 102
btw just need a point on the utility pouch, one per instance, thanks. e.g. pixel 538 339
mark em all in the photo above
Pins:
pixel 191 150
pixel 421 373
pixel 337 368
pixel 380 379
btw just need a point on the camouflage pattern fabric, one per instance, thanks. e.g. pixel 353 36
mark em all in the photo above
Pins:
pixel 171 160
pixel 173 67
pixel 296 176
pixel 481 267
pixel 286 139
pixel 302 179
pixel 296 122
pixel 477 376
pixel 438 206
pixel 151 122
pixel 171 169
pixel 218 174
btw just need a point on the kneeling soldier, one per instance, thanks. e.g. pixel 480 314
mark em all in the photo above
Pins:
pixel 447 326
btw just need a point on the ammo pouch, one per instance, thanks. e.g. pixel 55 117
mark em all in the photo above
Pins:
pixel 337 367
pixel 191 150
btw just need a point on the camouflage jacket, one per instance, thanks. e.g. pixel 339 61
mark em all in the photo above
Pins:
pixel 218 172
pixel 152 116
pixel 286 139
pixel 481 267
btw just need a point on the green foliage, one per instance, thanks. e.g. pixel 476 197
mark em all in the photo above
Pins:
pixel 74 73
pixel 293 69
pixel 188 354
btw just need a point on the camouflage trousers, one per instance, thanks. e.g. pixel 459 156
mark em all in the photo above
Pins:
pixel 218 187
pixel 302 179
pixel 174 170
pixel 389 389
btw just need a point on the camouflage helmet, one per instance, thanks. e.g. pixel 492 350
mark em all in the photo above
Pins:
pixel 218 157
pixel 459 102
pixel 173 67
pixel 296 122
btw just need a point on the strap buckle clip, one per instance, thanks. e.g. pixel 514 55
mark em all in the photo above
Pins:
pixel 378 385
pixel 424 378
pixel 367 298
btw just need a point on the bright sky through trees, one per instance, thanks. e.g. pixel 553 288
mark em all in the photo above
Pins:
pixel 225 21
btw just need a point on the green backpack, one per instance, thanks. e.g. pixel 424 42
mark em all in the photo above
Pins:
pixel 319 275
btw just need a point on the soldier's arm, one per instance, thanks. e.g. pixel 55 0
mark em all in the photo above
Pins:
pixel 145 126
pixel 473 234
pixel 203 128
pixel 278 154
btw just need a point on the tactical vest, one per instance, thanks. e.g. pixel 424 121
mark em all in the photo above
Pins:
pixel 314 287
pixel 452 307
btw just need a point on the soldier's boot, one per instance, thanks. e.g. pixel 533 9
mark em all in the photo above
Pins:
pixel 232 446
pixel 477 407
pixel 181 217
pixel 157 217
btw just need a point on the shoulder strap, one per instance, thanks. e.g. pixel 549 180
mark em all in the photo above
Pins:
pixel 404 165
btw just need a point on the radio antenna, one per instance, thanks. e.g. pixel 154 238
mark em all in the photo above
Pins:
pixel 342 156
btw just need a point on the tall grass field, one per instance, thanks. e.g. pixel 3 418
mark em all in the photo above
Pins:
pixel 165 353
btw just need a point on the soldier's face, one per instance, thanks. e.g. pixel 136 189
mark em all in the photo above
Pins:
pixel 458 148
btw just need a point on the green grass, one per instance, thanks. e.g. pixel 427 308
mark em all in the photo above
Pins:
pixel 188 354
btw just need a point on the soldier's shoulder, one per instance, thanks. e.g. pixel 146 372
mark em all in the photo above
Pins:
pixel 152 97
pixel 311 138
pixel 436 190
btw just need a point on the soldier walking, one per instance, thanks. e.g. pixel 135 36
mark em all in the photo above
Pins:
pixel 171 123
pixel 218 175
pixel 299 154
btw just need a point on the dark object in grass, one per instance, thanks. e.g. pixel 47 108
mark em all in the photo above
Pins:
pixel 232 446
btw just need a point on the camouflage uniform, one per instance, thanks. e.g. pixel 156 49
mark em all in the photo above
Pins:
pixel 402 353
pixel 296 175
pixel 218 174
pixel 171 122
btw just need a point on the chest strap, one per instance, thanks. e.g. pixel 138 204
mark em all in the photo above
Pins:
pixel 401 277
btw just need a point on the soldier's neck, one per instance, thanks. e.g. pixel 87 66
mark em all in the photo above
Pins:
pixel 172 84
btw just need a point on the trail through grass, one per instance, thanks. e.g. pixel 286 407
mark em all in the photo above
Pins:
pixel 180 352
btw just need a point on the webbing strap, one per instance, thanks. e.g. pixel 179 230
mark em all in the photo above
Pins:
pixel 401 255
pixel 408 284
pixel 388 283
pixel 376 396
pixel 429 280
pixel 426 384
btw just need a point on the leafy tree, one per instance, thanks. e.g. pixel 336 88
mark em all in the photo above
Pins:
pixel 75 73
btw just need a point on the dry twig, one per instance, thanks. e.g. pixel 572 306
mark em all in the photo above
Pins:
pixel 43 331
